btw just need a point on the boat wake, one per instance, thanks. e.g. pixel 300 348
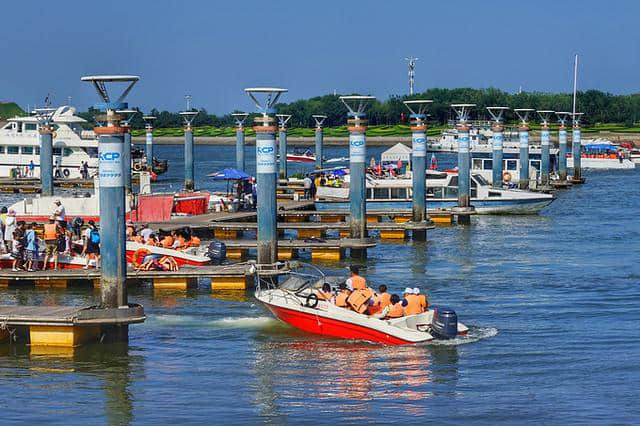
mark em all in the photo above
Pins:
pixel 221 323
pixel 475 334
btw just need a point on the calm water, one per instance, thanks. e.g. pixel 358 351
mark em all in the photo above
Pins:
pixel 552 301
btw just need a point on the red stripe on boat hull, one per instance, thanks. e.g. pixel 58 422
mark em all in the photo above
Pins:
pixel 330 327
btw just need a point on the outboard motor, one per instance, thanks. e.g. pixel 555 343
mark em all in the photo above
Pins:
pixel 445 323
pixel 217 252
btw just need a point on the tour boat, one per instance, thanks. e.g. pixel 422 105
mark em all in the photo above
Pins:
pixel 72 145
pixel 306 156
pixel 297 306
pixel 442 193
pixel 601 154
pixel 194 256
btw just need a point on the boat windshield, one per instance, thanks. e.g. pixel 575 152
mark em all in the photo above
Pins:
pixel 481 180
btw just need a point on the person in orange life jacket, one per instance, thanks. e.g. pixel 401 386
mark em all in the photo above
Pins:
pixel 325 293
pixel 414 305
pixel 424 302
pixel 381 300
pixel 356 282
pixel 394 310
pixel 51 234
pixel 342 296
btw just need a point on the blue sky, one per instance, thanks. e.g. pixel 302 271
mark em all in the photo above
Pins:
pixel 213 49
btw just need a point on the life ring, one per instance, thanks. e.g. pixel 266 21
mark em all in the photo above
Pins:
pixel 137 167
pixel 506 176
pixel 312 300
pixel 66 173
pixel 139 255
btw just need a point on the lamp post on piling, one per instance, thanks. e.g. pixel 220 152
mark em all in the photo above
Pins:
pixel 497 142
pixel 562 146
pixel 576 148
pixel 113 270
pixel 148 146
pixel 44 116
pixel 357 122
pixel 319 119
pixel 418 161
pixel 127 115
pixel 545 140
pixel 266 170
pixel 523 174
pixel 464 163
pixel 240 118
pixel 283 119
pixel 188 117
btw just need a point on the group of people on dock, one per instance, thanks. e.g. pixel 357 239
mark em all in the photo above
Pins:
pixel 354 294
pixel 24 242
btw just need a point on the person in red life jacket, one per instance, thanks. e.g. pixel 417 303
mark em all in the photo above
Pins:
pixel 356 282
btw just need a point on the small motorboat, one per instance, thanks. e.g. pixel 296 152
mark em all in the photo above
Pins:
pixel 65 261
pixel 306 156
pixel 295 303
pixel 214 253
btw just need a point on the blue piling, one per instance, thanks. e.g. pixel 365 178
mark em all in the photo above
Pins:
pixel 497 145
pixel 240 148
pixel 318 150
pixel 148 146
pixel 283 152
pixel 126 161
pixel 357 184
pixel 188 159
pixel 523 180
pixel 545 140
pixel 576 149
pixel 419 153
pixel 562 153
pixel 46 160
pixel 266 172
pixel 113 286
pixel 464 177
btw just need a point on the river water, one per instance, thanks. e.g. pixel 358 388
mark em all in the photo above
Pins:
pixel 552 302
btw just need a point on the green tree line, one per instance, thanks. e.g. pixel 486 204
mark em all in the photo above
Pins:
pixel 597 106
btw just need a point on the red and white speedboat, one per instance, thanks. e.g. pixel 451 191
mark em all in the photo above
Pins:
pixel 300 309
pixel 301 157
pixel 64 261
pixel 194 256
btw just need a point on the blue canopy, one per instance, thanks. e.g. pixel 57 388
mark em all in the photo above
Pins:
pixel 600 146
pixel 229 174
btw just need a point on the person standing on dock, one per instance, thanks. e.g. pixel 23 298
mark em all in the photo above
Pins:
pixel 307 182
pixel 91 239
pixel 51 237
pixel 59 212
pixel 31 168
pixel 9 228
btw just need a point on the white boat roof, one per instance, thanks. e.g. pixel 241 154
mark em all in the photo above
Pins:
pixel 396 152
pixel 64 114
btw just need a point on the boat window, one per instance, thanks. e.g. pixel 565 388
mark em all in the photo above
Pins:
pixel 474 192
pixel 481 180
pixel 453 181
pixel 37 150
pixel 495 194
pixel 512 164
pixel 369 193
pixel 535 164
pixel 451 192
pixel 12 150
pixel 381 193
pixel 398 193
pixel 474 184
pixel 2 149
pixel 57 151
pixel 476 164
pixel 27 150
pixel 436 192
pixel 92 152
pixel 30 126
pixel 67 152
pixel 488 164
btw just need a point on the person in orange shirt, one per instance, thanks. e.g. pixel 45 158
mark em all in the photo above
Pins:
pixel 385 298
pixel 424 301
pixel 394 310
pixel 167 241
pixel 342 296
pixel 324 293
pixel 356 282
pixel 194 241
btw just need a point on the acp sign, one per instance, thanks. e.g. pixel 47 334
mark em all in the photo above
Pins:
pixel 357 148
pixel 110 165
pixel 419 145
pixel 265 153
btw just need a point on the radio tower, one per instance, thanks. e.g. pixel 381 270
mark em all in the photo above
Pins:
pixel 412 72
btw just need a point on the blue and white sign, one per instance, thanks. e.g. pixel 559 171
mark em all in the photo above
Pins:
pixel 562 137
pixel 544 137
pixel 149 138
pixel 110 164
pixel 419 145
pixel 266 153
pixel 576 136
pixel 463 142
pixel 498 140
pixel 357 148
pixel 524 139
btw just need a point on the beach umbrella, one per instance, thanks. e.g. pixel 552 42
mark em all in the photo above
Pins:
pixel 229 174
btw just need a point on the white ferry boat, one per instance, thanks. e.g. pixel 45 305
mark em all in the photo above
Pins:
pixel 442 192
pixel 72 145
pixel 602 154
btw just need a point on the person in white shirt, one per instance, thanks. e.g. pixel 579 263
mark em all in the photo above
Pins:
pixel 146 232
pixel 59 212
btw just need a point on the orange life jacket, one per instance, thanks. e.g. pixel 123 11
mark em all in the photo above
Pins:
pixel 167 241
pixel 423 301
pixel 385 300
pixel 358 283
pixel 50 232
pixel 341 299
pixel 194 242
pixel 138 239
pixel 413 305
pixel 395 311
pixel 359 298
pixel 322 295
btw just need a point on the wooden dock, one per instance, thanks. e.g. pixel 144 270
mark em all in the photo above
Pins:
pixel 32 185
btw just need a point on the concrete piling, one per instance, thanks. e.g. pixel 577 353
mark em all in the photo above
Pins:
pixel 188 150
pixel 319 139
pixel 562 146
pixel 282 129
pixel 46 150
pixel 148 146
pixel 240 117
pixel 523 133
pixel 497 142
pixel 545 141
pixel 576 148
pixel 464 163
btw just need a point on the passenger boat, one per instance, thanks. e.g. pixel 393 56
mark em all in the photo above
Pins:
pixel 442 192
pixel 601 155
pixel 194 256
pixel 299 156
pixel 65 261
pixel 293 302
